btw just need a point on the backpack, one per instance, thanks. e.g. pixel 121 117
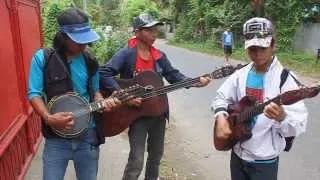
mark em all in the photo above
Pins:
pixel 284 75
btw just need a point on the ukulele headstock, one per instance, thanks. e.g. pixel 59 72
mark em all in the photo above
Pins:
pixel 224 71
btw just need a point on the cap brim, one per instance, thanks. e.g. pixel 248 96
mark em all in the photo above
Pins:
pixel 260 42
pixel 84 37
pixel 153 23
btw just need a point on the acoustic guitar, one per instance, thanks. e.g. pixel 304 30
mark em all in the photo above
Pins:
pixel 154 100
pixel 248 107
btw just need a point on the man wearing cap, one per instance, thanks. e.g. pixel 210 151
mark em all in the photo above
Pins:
pixel 68 67
pixel 257 158
pixel 141 55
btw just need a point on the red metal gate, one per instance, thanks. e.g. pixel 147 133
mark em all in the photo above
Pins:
pixel 20 36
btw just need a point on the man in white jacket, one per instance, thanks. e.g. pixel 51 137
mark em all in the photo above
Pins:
pixel 257 158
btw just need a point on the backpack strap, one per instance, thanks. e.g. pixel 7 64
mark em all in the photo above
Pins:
pixel 284 75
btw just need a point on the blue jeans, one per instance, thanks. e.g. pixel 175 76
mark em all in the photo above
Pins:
pixel 154 128
pixel 84 151
pixel 257 170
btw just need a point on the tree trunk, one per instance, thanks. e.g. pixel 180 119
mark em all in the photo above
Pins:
pixel 258 6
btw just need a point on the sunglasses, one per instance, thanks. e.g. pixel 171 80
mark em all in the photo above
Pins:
pixel 253 35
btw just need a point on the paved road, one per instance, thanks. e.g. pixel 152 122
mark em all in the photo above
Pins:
pixel 189 153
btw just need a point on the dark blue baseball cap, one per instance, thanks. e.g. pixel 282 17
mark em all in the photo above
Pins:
pixel 75 23
pixel 80 33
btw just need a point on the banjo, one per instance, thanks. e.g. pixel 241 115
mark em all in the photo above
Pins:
pixel 81 110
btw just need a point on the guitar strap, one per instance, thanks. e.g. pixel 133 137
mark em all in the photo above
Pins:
pixel 284 75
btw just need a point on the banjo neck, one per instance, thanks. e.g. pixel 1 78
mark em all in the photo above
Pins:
pixel 96 106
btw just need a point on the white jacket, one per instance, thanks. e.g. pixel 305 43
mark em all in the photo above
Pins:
pixel 267 139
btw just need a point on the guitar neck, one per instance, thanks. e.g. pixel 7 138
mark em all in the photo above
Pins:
pixel 147 92
pixel 255 110
pixel 170 88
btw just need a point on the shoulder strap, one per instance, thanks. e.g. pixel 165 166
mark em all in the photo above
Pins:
pixel 284 75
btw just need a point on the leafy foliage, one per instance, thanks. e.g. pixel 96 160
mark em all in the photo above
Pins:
pixel 136 7
pixel 50 13
pixel 100 14
pixel 105 48
pixel 208 18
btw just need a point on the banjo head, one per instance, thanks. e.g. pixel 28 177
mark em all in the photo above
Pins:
pixel 78 106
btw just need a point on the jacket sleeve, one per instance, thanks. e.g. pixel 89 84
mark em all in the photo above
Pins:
pixel 295 121
pixel 170 73
pixel 111 69
pixel 225 95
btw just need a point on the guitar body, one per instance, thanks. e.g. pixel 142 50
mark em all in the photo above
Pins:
pixel 240 127
pixel 119 119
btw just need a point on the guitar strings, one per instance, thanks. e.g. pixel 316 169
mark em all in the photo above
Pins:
pixel 181 84
pixel 165 89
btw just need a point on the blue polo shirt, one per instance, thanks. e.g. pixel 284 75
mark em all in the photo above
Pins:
pixel 227 38
pixel 78 72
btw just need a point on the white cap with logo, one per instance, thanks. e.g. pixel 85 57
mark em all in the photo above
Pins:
pixel 258 32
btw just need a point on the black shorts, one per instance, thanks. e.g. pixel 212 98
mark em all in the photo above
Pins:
pixel 228 50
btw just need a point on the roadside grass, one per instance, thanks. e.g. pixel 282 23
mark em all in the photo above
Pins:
pixel 303 63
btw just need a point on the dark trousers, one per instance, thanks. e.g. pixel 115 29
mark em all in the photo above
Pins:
pixel 243 170
pixel 154 129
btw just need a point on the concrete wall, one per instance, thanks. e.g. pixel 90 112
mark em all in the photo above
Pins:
pixel 308 37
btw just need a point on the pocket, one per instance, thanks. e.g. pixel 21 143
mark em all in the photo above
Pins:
pixel 56 77
pixel 58 82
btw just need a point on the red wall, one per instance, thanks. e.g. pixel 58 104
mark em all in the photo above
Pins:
pixel 19 126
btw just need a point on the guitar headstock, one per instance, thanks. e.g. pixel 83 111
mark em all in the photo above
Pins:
pixel 294 96
pixel 224 71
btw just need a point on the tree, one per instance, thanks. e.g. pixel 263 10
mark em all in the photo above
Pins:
pixel 136 7
pixel 258 6
pixel 50 12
